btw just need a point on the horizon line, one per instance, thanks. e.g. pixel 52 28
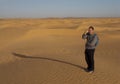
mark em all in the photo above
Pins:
pixel 52 17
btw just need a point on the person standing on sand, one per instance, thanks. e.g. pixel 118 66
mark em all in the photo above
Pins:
pixel 91 43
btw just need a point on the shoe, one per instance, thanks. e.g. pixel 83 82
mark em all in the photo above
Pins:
pixel 90 72
pixel 87 70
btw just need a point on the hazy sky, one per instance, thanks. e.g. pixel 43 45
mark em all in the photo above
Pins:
pixel 59 8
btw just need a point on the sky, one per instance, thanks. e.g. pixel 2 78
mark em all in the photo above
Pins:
pixel 59 8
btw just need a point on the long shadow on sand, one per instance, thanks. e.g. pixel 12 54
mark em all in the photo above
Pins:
pixel 49 59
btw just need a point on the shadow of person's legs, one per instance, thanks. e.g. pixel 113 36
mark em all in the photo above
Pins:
pixel 45 58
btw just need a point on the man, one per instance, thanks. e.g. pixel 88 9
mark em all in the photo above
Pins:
pixel 91 43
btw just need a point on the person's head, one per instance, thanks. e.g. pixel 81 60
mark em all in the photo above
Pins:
pixel 91 29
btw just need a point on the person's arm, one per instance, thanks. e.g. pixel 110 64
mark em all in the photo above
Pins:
pixel 84 35
pixel 93 42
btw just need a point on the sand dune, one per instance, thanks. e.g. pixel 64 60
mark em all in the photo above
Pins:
pixel 51 51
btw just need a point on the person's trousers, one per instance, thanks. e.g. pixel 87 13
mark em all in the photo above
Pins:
pixel 89 57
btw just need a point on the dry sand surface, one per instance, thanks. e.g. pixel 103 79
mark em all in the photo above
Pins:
pixel 51 51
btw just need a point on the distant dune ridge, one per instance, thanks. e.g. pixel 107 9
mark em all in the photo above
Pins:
pixel 51 51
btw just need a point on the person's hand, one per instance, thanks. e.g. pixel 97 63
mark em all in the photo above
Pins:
pixel 86 32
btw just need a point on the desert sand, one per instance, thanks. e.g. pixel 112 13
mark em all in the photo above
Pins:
pixel 51 51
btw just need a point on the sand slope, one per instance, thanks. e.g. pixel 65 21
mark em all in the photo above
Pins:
pixel 51 51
